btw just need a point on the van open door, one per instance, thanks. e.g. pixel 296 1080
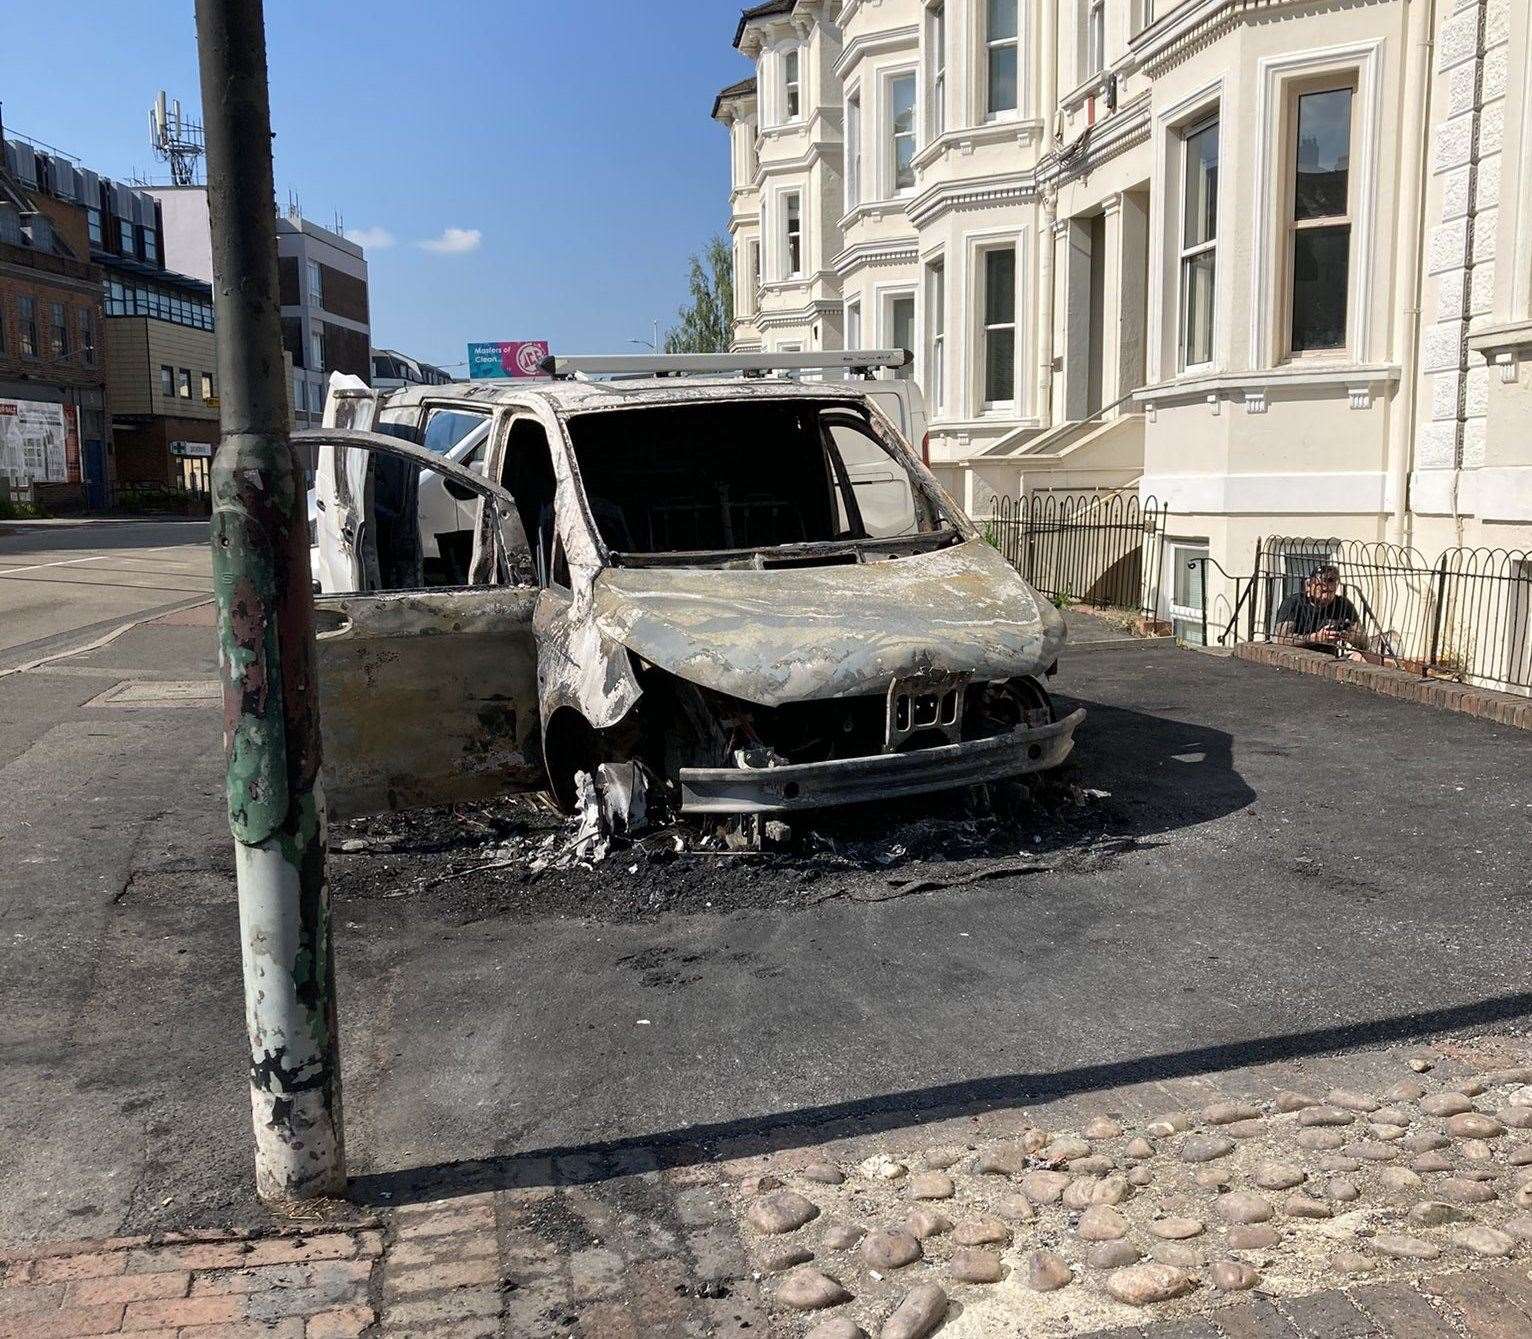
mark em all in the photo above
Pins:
pixel 428 695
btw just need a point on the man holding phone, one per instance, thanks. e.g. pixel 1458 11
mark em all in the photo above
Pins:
pixel 1320 618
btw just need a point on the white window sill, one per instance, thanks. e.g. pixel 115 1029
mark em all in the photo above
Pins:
pixel 1195 383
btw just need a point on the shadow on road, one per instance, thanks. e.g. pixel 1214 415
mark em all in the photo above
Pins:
pixel 783 1130
pixel 1161 774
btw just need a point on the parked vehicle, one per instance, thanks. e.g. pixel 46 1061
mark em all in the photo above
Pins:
pixel 752 586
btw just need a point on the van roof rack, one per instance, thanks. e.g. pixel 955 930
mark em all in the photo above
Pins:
pixel 860 361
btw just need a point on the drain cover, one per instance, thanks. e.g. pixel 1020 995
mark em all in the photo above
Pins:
pixel 159 693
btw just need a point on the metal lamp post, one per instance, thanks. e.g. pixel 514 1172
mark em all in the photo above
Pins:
pixel 266 640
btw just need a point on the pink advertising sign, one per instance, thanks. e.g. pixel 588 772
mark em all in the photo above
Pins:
pixel 507 358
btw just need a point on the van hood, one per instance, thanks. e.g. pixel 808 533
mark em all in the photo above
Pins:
pixel 805 634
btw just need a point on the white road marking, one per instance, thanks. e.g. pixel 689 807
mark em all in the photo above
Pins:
pixel 63 562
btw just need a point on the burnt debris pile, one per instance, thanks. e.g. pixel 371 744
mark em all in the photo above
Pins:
pixel 622 854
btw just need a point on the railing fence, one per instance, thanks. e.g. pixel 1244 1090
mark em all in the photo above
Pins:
pixel 1466 616
pixel 1097 549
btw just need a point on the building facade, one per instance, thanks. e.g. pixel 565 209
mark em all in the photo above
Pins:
pixel 322 285
pixel 54 439
pixel 326 322
pixel 1270 263
pixel 155 330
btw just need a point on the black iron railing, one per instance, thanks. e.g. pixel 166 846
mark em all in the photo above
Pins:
pixel 1096 549
pixel 1466 616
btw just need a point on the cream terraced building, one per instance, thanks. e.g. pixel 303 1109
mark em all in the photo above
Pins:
pixel 1268 261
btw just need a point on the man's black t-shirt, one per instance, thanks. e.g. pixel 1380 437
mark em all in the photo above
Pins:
pixel 1309 617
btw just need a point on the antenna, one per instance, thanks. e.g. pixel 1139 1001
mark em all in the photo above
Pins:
pixel 177 140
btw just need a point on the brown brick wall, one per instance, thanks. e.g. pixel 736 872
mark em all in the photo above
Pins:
pixel 143 452
pixel 344 294
pixel 47 289
pixel 292 339
pixel 287 281
pixel 347 351
pixel 68 221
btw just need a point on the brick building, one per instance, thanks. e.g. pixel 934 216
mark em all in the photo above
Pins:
pixel 153 326
pixel 53 425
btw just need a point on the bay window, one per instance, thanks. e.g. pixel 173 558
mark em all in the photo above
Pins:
pixel 1199 243
pixel 792 91
pixel 999 276
pixel 1002 57
pixel 1319 221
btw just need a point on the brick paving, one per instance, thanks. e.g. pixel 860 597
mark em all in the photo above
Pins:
pixel 627 1242
pixel 477 1268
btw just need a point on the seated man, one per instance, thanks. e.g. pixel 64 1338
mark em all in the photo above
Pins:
pixel 1320 618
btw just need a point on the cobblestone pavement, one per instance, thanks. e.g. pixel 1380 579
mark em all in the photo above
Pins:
pixel 1383 1193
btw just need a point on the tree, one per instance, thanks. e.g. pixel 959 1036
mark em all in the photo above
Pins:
pixel 706 324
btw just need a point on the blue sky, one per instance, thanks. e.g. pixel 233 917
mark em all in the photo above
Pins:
pixel 571 135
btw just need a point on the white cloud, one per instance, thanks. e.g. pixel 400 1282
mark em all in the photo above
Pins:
pixel 371 239
pixel 454 241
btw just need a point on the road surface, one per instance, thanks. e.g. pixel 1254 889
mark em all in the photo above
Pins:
pixel 63 583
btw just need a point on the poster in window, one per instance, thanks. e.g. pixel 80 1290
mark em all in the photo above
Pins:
pixel 34 442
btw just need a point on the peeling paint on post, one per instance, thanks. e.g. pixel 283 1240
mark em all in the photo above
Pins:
pixel 266 641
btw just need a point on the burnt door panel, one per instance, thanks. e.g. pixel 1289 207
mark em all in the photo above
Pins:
pixel 427 698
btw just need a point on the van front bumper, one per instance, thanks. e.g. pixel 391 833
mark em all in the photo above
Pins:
pixel 764 790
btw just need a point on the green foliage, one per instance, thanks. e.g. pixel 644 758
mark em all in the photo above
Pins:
pixel 706 323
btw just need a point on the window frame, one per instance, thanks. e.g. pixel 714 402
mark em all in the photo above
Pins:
pixel 792 240
pixel 167 381
pixel 184 383
pixel 991 45
pixel 792 85
pixel 934 374
pixel 1178 551
pixel 1094 52
pixel 891 136
pixel 29 339
pixel 938 55
pixel 852 320
pixel 853 132
pixel 987 328
pixel 1210 118
pixel 209 387
pixel 889 300
pixel 58 331
pixel 1293 92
